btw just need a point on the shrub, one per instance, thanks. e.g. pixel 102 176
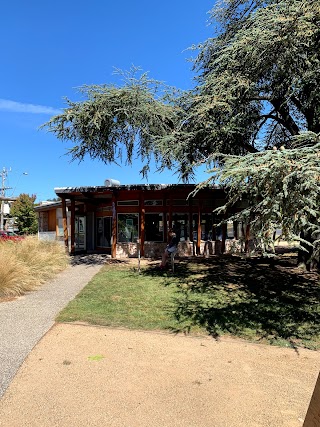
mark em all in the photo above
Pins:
pixel 26 264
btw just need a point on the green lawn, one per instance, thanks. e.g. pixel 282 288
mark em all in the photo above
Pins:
pixel 227 295
pixel 120 296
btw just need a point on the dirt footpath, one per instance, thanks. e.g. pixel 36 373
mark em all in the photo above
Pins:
pixel 80 375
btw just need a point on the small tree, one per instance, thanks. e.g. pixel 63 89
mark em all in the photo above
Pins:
pixel 23 212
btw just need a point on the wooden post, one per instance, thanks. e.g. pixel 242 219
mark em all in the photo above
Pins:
pixel 139 255
pixel 224 237
pixel 72 226
pixel 165 227
pixel 191 242
pixel 313 414
pixel 235 230
pixel 247 238
pixel 199 229
pixel 114 227
pixel 172 255
pixel 65 224
pixel 191 224
pixel 142 224
pixel 214 228
pixel 170 214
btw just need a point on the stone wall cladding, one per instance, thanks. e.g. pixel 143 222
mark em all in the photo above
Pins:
pixel 154 249
pixel 186 248
pixel 234 246
pixel 127 250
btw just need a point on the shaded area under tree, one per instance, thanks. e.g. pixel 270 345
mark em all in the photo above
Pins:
pixel 259 299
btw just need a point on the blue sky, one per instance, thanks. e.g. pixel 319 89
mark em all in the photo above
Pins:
pixel 48 49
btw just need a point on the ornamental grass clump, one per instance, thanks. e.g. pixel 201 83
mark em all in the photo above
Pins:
pixel 26 264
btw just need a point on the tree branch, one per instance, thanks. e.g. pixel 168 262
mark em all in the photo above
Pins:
pixel 286 119
pixel 296 102
pixel 275 118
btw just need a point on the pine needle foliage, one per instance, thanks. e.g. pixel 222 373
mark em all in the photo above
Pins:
pixel 264 64
pixel 281 190
pixel 117 123
pixel 256 86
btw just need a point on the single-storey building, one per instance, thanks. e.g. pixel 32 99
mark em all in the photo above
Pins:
pixel 132 220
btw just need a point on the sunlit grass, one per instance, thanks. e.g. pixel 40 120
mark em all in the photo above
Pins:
pixel 220 296
pixel 26 264
pixel 119 296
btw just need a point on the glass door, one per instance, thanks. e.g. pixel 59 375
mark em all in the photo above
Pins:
pixel 80 233
pixel 104 232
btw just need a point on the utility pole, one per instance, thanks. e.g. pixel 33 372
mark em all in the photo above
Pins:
pixel 4 175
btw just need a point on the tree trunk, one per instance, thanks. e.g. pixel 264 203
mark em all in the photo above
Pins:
pixel 285 115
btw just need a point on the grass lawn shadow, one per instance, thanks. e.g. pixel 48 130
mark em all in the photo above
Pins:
pixel 251 298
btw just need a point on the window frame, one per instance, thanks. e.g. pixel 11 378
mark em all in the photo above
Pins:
pixel 137 215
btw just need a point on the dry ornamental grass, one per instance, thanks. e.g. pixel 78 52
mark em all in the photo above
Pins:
pixel 26 264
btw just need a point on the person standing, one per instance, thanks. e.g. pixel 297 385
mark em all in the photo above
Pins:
pixel 170 248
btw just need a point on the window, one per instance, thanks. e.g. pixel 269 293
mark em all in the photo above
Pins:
pixel 219 202
pixel 128 203
pixel 230 230
pixel 208 203
pixel 153 202
pixel 206 226
pixel 218 229
pixel 128 227
pixel 241 226
pixel 154 227
pixel 178 202
pixel 104 209
pixel 43 221
pixel 60 231
pixel 180 223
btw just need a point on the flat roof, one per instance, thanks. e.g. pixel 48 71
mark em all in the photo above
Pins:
pixel 100 189
pixel 8 199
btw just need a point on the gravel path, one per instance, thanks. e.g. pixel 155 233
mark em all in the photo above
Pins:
pixel 87 376
pixel 26 319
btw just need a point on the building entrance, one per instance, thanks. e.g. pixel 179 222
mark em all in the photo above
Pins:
pixel 104 232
